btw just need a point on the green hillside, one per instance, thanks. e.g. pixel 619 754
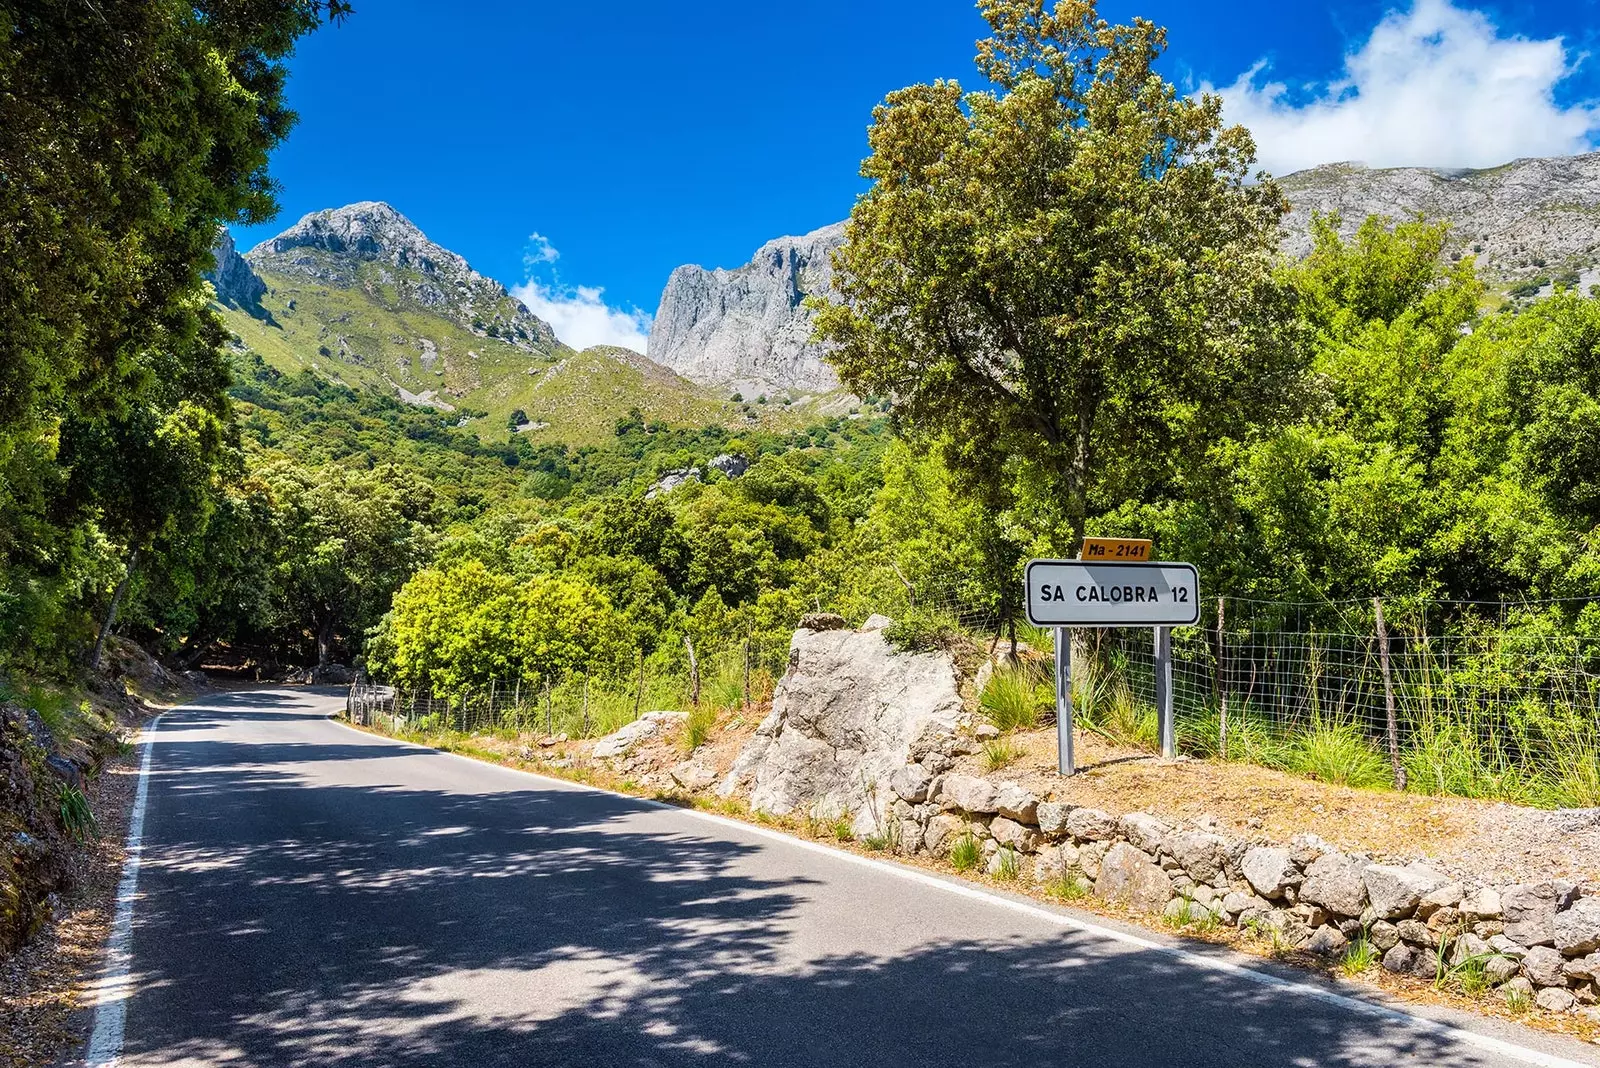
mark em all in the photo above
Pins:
pixel 371 335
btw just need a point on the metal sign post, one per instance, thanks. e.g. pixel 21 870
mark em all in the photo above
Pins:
pixel 1092 593
pixel 1064 756
pixel 1169 738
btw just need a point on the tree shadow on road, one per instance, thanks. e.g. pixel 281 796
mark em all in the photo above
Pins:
pixel 289 918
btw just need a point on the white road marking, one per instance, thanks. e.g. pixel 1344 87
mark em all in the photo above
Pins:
pixel 1483 1042
pixel 115 986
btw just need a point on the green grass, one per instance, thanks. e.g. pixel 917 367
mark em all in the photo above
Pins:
pixel 841 828
pixel 1009 865
pixel 1359 956
pixel 1011 700
pixel 1518 1001
pixel 697 728
pixel 964 853
pixel 77 818
pixel 1068 887
pixel 1338 752
pixel 999 752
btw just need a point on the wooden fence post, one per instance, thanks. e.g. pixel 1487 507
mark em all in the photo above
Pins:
pixel 1222 679
pixel 1395 766
pixel 694 672
pixel 586 706
pixel 747 671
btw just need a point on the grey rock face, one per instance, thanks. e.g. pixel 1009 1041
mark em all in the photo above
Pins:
pixel 748 328
pixel 1542 966
pixel 1200 853
pixel 1052 816
pixel 236 284
pixel 1511 218
pixel 1396 891
pixel 331 246
pixel 1143 830
pixel 844 719
pixel 1092 824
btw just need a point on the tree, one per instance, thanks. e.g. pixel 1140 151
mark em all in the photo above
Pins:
pixel 1073 270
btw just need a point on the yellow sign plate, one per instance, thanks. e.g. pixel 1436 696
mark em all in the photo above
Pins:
pixel 1116 549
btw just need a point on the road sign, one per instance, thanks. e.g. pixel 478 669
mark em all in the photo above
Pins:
pixel 1116 549
pixel 1083 593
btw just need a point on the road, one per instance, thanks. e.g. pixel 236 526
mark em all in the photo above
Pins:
pixel 311 895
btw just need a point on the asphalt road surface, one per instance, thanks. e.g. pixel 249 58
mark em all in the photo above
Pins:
pixel 311 895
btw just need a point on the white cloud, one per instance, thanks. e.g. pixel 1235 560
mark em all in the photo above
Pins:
pixel 1434 86
pixel 578 314
pixel 581 317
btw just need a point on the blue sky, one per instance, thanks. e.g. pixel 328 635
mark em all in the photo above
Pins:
pixel 631 137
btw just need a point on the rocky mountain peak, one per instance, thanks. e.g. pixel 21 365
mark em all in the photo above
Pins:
pixel 372 246
pixel 236 285
pixel 748 328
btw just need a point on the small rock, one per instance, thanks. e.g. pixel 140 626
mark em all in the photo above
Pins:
pixel 822 621
pixel 1305 848
pixel 1395 892
pixel 1014 802
pixel 1128 877
pixel 941 830
pixel 1542 966
pixel 1310 915
pixel 1443 920
pixel 968 793
pixel 1144 831
pixel 694 775
pixel 910 783
pixel 1518 985
pixel 1235 902
pixel 1009 832
pixel 1053 862
pixel 1507 948
pixel 1090 856
pixel 1530 913
pixel 874 622
pixel 1500 969
pixel 1466 947
pixel 1482 904
pixel 65 770
pixel 1201 853
pixel 985 731
pixel 1555 999
pixel 1383 935
pixel 1415 931
pixel 1052 816
pixel 1335 881
pixel 1091 824
pixel 1326 941
pixel 1269 870
pixel 1586 969
pixel 1402 958
pixel 1577 930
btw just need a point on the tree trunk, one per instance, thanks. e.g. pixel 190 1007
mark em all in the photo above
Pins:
pixel 325 640
pixel 111 613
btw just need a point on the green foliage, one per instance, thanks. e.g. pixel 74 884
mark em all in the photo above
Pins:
pixel 1009 864
pixel 1338 752
pixel 999 753
pixel 77 818
pixel 1359 956
pixel 1014 697
pixel 920 630
pixel 697 728
pixel 1068 886
pixel 965 853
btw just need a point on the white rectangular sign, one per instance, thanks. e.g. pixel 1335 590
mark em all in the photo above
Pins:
pixel 1079 593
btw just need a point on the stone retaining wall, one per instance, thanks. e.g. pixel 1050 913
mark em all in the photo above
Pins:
pixel 1539 939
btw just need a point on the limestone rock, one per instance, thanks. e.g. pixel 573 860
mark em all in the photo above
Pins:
pixel 1016 803
pixel 1009 832
pixel 749 328
pixel 1506 947
pixel 1201 853
pixel 1335 881
pixel 1530 913
pixel 1395 891
pixel 1383 935
pixel 733 465
pixel 1482 904
pixel 942 830
pixel 969 793
pixel 1053 862
pixel 1586 969
pixel 1446 896
pixel 694 774
pixel 1542 966
pixel 910 783
pixel 1128 877
pixel 1416 931
pixel 844 719
pixel 1466 947
pixel 1090 856
pixel 1145 831
pixel 1555 999
pixel 1499 969
pixel 1093 825
pixel 1326 941
pixel 1052 816
pixel 1577 930
pixel 1269 870
pixel 649 725
pixel 235 283
pixel 1403 959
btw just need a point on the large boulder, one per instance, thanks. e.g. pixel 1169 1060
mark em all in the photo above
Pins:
pixel 649 725
pixel 1128 877
pixel 847 715
pixel 1335 881
pixel 1577 930
pixel 1530 913
pixel 1200 853
pixel 1395 891
pixel 1270 871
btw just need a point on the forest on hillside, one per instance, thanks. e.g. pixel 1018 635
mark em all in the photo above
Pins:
pixel 1114 348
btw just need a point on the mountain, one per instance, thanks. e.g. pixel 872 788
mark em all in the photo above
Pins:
pixel 746 329
pixel 361 296
pixel 1531 221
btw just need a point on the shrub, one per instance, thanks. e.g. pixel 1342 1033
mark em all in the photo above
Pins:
pixel 1009 865
pixel 697 728
pixel 1338 752
pixel 920 630
pixel 77 819
pixel 1010 700
pixel 999 752
pixel 964 853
